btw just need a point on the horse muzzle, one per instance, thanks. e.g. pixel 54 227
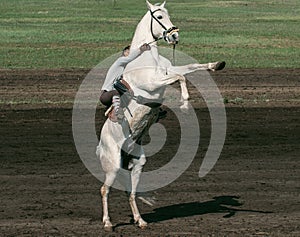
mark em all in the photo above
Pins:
pixel 171 35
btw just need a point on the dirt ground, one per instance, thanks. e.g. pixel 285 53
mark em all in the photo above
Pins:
pixel 254 189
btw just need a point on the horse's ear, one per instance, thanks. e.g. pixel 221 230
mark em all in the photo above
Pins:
pixel 149 5
pixel 163 4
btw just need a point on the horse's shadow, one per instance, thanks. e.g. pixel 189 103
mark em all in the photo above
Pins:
pixel 222 204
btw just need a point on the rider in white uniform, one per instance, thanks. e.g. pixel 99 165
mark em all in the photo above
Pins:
pixel 109 95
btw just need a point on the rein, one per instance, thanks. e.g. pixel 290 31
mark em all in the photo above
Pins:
pixel 155 40
pixel 174 59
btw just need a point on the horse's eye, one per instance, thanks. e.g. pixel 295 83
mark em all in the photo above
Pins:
pixel 160 17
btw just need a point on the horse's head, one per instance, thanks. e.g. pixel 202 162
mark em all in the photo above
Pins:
pixel 161 26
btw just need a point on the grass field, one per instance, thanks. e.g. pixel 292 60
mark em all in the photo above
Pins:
pixel 79 34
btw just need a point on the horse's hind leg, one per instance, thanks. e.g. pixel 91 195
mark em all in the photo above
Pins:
pixel 110 177
pixel 135 177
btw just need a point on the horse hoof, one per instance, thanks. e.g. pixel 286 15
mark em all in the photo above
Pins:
pixel 143 224
pixel 184 108
pixel 220 66
pixel 108 228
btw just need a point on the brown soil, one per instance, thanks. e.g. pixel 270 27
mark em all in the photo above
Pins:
pixel 254 189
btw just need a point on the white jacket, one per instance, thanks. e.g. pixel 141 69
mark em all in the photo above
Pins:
pixel 117 69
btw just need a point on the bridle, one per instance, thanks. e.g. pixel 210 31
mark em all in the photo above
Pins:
pixel 166 33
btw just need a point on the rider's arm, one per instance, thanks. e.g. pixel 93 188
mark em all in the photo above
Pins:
pixel 117 69
pixel 132 55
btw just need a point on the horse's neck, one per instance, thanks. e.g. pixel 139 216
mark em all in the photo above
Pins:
pixel 151 58
pixel 149 62
pixel 142 33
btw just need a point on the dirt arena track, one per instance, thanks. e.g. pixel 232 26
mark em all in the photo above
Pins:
pixel 254 189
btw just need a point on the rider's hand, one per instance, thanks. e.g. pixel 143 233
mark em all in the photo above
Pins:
pixel 145 47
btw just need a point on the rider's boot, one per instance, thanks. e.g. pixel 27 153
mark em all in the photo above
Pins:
pixel 129 145
pixel 118 110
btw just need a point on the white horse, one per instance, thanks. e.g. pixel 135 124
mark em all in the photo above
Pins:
pixel 148 76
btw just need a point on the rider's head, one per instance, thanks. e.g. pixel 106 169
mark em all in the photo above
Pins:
pixel 126 51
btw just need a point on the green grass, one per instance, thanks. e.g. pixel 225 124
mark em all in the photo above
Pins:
pixel 79 34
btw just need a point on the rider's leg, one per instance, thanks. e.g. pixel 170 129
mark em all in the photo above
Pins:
pixel 109 98
pixel 106 97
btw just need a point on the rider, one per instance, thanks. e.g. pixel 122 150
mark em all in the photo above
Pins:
pixel 109 96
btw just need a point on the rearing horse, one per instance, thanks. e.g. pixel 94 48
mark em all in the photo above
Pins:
pixel 148 77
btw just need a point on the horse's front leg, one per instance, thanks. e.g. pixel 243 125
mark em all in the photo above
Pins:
pixel 215 66
pixel 170 79
pixel 186 69
pixel 184 94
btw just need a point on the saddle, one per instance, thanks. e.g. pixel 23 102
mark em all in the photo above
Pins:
pixel 126 95
pixel 125 91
